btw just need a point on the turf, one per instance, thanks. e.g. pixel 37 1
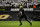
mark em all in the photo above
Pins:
pixel 16 24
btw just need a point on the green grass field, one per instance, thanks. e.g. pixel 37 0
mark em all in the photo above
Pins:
pixel 16 24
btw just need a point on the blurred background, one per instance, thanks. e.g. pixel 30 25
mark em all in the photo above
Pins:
pixel 10 8
pixel 17 3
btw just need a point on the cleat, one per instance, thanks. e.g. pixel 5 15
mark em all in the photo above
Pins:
pixel 20 24
pixel 30 24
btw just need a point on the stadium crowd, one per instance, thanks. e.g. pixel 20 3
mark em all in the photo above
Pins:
pixel 26 4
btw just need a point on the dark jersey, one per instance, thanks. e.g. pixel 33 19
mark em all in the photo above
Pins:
pixel 21 11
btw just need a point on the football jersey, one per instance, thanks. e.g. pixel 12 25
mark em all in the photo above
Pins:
pixel 21 11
